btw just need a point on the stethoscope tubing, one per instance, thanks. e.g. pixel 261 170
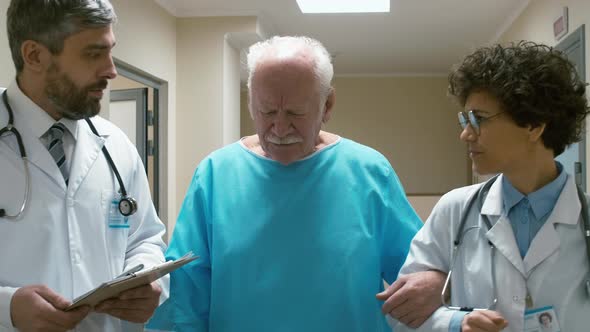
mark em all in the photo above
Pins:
pixel 10 128
pixel 23 155
pixel 480 196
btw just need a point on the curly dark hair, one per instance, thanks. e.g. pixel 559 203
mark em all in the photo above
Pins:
pixel 534 83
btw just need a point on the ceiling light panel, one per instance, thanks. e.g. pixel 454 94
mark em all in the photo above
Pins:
pixel 343 6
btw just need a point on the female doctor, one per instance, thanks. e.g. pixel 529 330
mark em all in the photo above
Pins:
pixel 521 251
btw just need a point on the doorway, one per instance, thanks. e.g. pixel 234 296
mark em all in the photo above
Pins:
pixel 136 102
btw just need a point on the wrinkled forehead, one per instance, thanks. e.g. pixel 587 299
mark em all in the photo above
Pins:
pixel 280 79
pixel 272 70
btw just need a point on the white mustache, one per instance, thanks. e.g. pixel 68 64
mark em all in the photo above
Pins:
pixel 283 140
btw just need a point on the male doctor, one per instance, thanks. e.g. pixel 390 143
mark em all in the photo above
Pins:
pixel 70 236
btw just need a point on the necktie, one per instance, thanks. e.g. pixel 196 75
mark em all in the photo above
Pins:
pixel 56 148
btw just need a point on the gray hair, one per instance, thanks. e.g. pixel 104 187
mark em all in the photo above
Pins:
pixel 50 22
pixel 278 46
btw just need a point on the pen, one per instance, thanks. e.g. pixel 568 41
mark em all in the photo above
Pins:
pixel 131 271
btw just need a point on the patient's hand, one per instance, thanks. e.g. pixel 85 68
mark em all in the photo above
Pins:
pixel 412 298
pixel 485 320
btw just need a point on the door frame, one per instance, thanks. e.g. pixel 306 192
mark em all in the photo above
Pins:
pixel 577 39
pixel 139 95
pixel 160 124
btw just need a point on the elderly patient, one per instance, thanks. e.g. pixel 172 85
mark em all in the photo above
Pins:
pixel 296 227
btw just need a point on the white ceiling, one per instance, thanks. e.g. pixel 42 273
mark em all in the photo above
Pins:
pixel 418 37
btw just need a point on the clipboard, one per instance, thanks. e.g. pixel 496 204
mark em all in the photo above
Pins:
pixel 129 280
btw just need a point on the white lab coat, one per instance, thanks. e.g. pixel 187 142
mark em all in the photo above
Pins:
pixel 554 269
pixel 63 241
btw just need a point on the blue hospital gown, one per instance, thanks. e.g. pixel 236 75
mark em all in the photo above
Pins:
pixel 302 247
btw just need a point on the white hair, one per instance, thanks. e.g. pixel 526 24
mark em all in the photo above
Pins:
pixel 288 46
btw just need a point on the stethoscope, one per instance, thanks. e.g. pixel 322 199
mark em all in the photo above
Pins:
pixel 127 204
pixel 480 197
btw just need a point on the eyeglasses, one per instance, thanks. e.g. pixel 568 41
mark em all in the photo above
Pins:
pixel 473 119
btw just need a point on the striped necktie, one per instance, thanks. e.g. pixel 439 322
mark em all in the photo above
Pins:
pixel 56 148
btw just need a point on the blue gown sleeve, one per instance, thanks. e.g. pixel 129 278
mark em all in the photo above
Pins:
pixel 456 321
pixel 400 224
pixel 187 309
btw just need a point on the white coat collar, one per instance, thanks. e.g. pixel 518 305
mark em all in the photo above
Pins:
pixel 493 204
pixel 501 234
pixel 33 122
pixel 88 149
pixel 28 114
pixel 546 242
pixel 567 208
pixel 32 116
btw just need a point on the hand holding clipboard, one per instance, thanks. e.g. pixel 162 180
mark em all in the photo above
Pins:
pixel 132 278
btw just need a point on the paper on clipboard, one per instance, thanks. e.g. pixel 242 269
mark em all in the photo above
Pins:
pixel 114 287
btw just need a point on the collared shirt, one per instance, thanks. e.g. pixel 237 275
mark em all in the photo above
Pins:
pixel 527 214
pixel 38 121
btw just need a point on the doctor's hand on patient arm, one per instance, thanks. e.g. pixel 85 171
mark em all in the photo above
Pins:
pixel 135 305
pixel 483 321
pixel 38 308
pixel 412 298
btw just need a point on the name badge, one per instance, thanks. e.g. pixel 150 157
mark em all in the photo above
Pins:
pixel 115 218
pixel 541 320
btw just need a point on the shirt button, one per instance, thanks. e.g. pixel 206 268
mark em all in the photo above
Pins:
pixel 515 298
pixel 70 202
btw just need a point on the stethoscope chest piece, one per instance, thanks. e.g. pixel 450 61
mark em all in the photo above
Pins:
pixel 127 206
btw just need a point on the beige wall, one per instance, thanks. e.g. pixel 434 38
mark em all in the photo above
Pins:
pixel 200 63
pixel 423 205
pixel 410 120
pixel 146 39
pixel 231 93
pixel 7 71
pixel 536 21
pixel 246 124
